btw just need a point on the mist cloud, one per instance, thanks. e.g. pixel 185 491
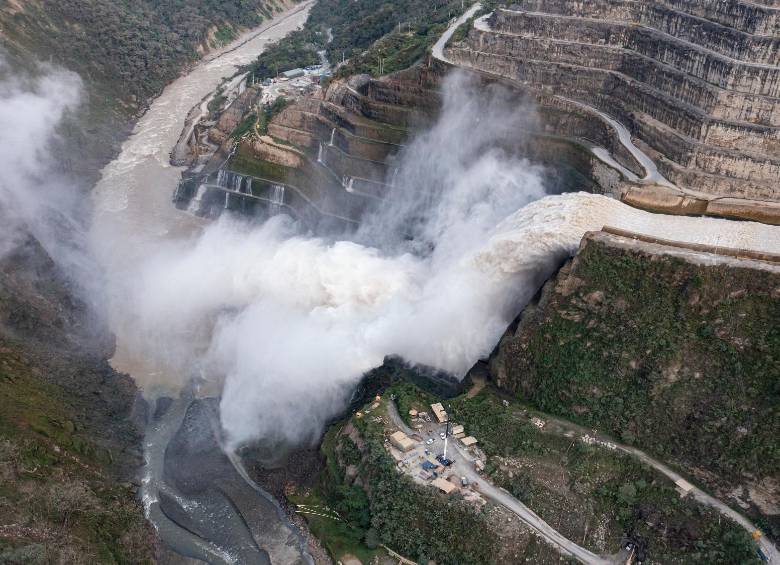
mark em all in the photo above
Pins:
pixel 35 199
pixel 282 324
pixel 289 323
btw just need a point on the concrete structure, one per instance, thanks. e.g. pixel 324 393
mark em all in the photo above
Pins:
pixel 439 413
pixel 458 429
pixel 469 441
pixel 293 73
pixel 402 442
pixel 443 485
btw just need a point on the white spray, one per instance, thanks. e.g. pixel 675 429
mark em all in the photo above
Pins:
pixel 290 323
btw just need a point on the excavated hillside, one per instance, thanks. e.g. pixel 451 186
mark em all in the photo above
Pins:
pixel 334 154
pixel 672 349
pixel 696 82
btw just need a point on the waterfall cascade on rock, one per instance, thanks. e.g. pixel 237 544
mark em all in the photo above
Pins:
pixel 197 200
pixel 277 199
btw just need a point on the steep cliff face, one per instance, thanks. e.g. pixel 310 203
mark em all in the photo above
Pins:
pixel 675 350
pixel 696 81
pixel 68 444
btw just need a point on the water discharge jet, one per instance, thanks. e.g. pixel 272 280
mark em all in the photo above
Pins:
pixel 284 322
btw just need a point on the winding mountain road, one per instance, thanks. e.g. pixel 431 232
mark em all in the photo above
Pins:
pixel 652 175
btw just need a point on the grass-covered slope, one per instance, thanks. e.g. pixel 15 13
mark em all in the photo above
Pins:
pixel 395 32
pixel 593 494
pixel 677 353
pixel 362 501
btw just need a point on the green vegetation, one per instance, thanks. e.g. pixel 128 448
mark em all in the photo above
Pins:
pixel 66 439
pixel 223 35
pixel 407 397
pixel 56 484
pixel 594 494
pixel 681 359
pixel 378 505
pixel 355 26
pixel 269 111
pixel 217 102
pixel 259 123
pixel 338 537
pixel 414 520
pixel 246 163
pixel 298 49
pixel 135 47
pixel 246 126
pixel 396 51
pixel 337 512
pixel 396 31
pixel 125 52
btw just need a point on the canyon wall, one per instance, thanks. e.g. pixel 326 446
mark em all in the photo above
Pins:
pixel 70 426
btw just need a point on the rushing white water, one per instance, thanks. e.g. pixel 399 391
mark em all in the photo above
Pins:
pixel 194 206
pixel 277 199
pixel 284 324
pixel 132 201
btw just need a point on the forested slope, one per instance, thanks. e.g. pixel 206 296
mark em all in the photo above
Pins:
pixel 70 437
pixel 125 52
pixel 396 31
pixel 68 444
pixel 672 351
pixel 135 47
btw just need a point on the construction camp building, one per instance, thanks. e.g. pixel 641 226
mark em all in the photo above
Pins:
pixel 402 442
pixel 439 412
